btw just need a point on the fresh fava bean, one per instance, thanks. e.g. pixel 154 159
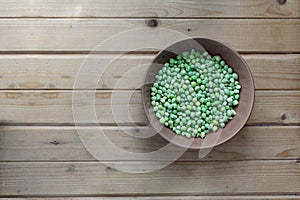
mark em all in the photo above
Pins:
pixel 195 93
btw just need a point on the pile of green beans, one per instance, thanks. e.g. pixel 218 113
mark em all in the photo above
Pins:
pixel 195 93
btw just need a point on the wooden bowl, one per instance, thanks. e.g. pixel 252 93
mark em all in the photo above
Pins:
pixel 243 110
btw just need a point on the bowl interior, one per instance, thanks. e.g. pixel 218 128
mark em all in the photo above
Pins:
pixel 243 110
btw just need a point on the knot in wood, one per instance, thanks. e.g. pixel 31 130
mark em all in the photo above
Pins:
pixel 282 2
pixel 152 23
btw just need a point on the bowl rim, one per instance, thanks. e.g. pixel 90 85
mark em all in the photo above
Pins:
pixel 218 142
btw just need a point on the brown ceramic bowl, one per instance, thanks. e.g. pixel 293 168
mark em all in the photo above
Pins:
pixel 243 110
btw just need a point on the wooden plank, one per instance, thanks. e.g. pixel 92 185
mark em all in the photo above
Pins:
pixel 48 106
pixel 86 34
pixel 259 197
pixel 270 104
pixel 267 71
pixel 144 8
pixel 63 143
pixel 59 71
pixel 196 178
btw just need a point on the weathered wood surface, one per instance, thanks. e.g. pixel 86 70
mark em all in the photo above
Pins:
pixel 85 34
pixel 93 178
pixel 248 197
pixel 43 44
pixel 144 8
pixel 59 71
pixel 48 106
pixel 27 143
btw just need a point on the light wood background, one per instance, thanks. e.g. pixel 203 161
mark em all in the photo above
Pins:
pixel 43 44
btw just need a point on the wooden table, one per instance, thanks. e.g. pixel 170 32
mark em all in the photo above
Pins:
pixel 43 44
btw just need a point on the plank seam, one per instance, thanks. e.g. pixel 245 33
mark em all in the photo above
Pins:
pixel 41 52
pixel 145 17
pixel 292 194
pixel 296 160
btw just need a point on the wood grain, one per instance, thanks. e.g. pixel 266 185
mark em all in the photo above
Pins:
pixel 127 72
pixel 85 34
pixel 144 8
pixel 119 106
pixel 93 178
pixel 258 197
pixel 44 43
pixel 27 143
